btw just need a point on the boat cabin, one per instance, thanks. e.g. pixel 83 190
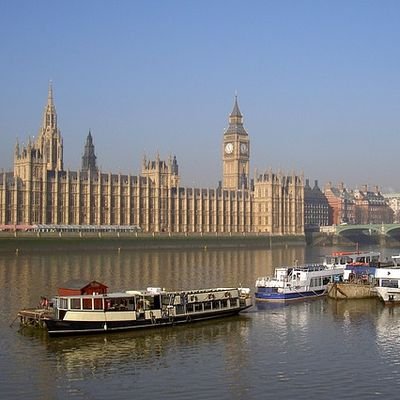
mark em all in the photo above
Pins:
pixel 344 258
pixel 79 287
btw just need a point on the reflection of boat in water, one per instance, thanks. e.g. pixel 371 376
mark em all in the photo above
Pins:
pixel 90 309
pixel 354 308
pixel 296 283
pixel 136 352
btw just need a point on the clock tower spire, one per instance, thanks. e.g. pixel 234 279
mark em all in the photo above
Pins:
pixel 235 152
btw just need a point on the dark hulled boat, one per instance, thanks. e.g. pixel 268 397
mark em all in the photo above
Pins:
pixel 93 310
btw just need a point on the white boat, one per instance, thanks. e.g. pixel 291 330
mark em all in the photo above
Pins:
pixel 354 258
pixel 388 282
pixel 297 282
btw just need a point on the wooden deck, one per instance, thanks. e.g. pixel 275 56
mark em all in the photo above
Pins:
pixel 34 317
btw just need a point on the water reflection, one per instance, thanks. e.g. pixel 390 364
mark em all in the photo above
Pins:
pixel 24 278
pixel 221 345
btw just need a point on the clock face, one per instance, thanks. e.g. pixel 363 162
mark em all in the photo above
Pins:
pixel 229 148
pixel 243 148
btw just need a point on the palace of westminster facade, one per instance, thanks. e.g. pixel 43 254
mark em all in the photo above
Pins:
pixel 40 191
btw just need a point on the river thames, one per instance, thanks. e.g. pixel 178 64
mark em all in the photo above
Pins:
pixel 314 349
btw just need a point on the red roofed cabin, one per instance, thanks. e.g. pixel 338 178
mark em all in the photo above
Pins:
pixel 79 288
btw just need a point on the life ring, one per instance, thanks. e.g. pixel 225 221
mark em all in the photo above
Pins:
pixel 227 294
pixel 211 296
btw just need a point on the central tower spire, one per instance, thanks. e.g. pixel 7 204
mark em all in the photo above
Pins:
pixel 50 115
pixel 49 141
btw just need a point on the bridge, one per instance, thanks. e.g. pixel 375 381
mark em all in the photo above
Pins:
pixel 369 229
pixel 382 234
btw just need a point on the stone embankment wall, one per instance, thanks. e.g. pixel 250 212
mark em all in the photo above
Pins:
pixel 35 242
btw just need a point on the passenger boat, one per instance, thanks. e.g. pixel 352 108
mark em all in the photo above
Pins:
pixel 91 309
pixel 388 282
pixel 354 258
pixel 297 282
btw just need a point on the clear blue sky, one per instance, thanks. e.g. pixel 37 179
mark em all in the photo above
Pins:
pixel 318 83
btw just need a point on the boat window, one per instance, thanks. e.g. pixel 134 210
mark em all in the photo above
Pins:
pixel 87 304
pixel 190 307
pixel 315 282
pixel 234 302
pixel 393 283
pixel 63 303
pixel 98 304
pixel 153 302
pixel 75 304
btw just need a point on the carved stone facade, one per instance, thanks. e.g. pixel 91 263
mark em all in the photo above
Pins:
pixel 40 191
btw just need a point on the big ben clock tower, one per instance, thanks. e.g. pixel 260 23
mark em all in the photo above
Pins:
pixel 235 153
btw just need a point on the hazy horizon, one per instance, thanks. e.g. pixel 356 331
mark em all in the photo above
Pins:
pixel 317 84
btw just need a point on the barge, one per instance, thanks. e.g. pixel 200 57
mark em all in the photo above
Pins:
pixel 91 309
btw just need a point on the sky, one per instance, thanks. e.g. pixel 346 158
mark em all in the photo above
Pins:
pixel 318 84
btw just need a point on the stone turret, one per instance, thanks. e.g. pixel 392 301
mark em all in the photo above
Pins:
pixel 161 173
pixel 89 157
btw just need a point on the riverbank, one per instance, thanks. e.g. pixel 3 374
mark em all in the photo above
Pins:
pixel 30 242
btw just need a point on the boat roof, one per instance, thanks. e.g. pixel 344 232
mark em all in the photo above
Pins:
pixel 131 293
pixel 354 253
pixel 79 284
pixel 304 267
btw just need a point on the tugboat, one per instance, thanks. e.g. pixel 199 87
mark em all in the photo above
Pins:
pixel 89 308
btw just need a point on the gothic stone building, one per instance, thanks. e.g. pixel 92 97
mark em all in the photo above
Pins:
pixel 41 191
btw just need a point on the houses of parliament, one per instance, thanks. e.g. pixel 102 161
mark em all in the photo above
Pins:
pixel 40 191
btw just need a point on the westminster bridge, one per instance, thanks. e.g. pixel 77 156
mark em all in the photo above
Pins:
pixel 382 234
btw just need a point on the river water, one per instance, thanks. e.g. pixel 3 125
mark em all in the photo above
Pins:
pixel 315 349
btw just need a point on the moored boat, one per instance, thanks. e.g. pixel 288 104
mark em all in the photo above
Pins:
pixel 388 282
pixel 345 258
pixel 359 278
pixel 91 309
pixel 296 282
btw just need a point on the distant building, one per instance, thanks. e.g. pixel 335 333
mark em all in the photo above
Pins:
pixel 359 206
pixel 393 200
pixel 341 204
pixel 371 207
pixel 316 207
pixel 40 191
